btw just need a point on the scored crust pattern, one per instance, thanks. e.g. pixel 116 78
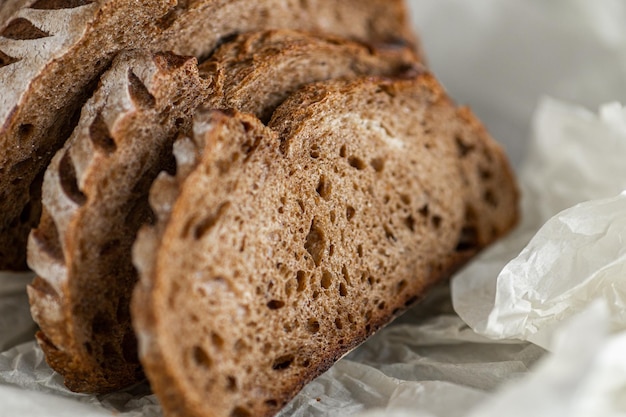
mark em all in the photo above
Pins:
pixel 81 250
pixel 53 51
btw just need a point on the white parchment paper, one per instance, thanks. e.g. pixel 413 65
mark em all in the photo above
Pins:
pixel 556 283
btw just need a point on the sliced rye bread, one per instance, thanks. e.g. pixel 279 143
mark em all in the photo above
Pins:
pixel 53 51
pixel 277 250
pixel 95 190
pixel 81 250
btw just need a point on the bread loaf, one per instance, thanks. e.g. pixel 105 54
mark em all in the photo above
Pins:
pixel 278 249
pixel 95 191
pixel 53 51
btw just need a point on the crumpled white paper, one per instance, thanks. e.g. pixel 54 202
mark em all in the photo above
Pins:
pixel 575 156
pixel 499 57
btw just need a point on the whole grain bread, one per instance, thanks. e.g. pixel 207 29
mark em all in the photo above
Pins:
pixel 81 250
pixel 95 190
pixel 277 250
pixel 53 51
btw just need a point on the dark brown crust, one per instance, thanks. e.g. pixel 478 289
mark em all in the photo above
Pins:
pixel 95 335
pixel 98 31
pixel 455 208
pixel 81 249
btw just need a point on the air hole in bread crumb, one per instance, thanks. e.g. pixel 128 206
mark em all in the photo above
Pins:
pixel 313 326
pixel 324 188
pixel 333 216
pixel 22 29
pixel 315 242
pixel 485 174
pixel 343 291
pixel 217 340
pixel 357 163
pixel 139 92
pixel 240 345
pixel 231 383
pixel 342 151
pixel 301 279
pixel 314 152
pixel 346 275
pixel 490 198
pixel 350 212
pixel 389 234
pixel 463 148
pixel 282 362
pixel 6 59
pixel 200 357
pixel 338 323
pixel 401 286
pixel 59 4
pixel 275 304
pixel 100 135
pixel 69 183
pixel 359 250
pixel 351 318
pixel 327 279
pixel 272 403
pixel 240 412
pixel 468 239
pixel 424 211
pixel 378 164
pixel 409 222
pixel 436 221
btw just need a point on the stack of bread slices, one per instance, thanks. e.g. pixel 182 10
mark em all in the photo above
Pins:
pixel 223 203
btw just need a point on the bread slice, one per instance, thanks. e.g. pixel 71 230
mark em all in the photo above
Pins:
pixel 257 71
pixel 279 249
pixel 81 250
pixel 95 190
pixel 53 51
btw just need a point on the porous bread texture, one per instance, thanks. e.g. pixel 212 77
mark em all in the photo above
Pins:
pixel 94 200
pixel 53 51
pixel 255 72
pixel 95 191
pixel 277 250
